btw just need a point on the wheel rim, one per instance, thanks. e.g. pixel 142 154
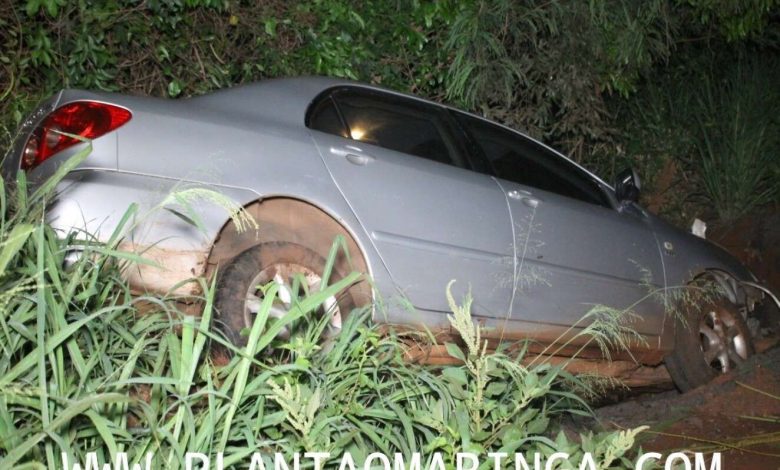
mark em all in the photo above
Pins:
pixel 283 275
pixel 723 342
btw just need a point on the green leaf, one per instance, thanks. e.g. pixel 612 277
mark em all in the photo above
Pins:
pixel 496 388
pixel 32 7
pixel 13 243
pixel 270 27
pixel 51 7
pixel 174 88
pixel 455 351
pixel 455 374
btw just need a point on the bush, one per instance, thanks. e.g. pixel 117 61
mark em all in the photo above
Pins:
pixel 737 139
pixel 705 134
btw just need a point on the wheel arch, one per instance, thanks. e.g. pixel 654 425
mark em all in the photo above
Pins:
pixel 283 218
pixel 735 298
pixel 739 293
pixel 742 296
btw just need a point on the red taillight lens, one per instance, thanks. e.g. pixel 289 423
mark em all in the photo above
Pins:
pixel 88 119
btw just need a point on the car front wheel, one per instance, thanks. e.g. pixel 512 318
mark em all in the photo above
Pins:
pixel 711 341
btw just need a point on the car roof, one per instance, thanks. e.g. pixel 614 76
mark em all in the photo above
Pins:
pixel 288 99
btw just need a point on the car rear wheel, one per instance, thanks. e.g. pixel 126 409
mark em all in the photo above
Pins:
pixel 712 341
pixel 239 294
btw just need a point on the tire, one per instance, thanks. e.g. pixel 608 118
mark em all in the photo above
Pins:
pixel 713 341
pixel 236 288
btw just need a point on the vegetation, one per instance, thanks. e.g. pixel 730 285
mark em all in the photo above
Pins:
pixel 87 369
pixel 595 79
pixel 716 137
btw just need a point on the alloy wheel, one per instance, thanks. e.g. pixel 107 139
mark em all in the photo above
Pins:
pixel 723 343
pixel 284 275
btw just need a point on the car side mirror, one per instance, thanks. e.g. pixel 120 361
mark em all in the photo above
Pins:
pixel 628 186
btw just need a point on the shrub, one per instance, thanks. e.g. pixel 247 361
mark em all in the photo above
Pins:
pixel 706 135
pixel 737 139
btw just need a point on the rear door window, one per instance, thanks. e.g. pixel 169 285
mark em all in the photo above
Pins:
pixel 514 157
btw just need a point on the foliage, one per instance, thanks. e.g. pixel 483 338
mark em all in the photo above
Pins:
pixel 737 138
pixel 707 125
pixel 184 48
pixel 546 66
pixel 735 19
pixel 88 368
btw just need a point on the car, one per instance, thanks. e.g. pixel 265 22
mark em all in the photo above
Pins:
pixel 420 194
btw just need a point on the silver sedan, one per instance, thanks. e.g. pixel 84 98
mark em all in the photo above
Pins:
pixel 421 194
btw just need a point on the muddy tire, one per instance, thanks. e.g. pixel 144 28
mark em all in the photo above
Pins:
pixel 712 341
pixel 237 295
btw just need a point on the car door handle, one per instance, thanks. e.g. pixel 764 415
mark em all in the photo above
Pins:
pixel 359 159
pixel 529 201
pixel 525 197
pixel 353 155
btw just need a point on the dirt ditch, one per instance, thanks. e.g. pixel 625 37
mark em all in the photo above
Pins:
pixel 737 414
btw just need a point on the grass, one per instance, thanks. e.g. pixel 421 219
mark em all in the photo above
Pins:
pixel 84 373
pixel 736 137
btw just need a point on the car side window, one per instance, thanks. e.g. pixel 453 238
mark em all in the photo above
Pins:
pixel 325 117
pixel 516 158
pixel 386 121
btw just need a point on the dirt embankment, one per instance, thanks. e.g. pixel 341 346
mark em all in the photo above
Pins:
pixel 737 414
pixel 756 242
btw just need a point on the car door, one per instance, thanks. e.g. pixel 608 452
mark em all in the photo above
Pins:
pixel 574 248
pixel 430 218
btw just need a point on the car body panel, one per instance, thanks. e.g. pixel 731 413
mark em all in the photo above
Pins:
pixel 418 223
pixel 577 256
pixel 431 223
pixel 686 256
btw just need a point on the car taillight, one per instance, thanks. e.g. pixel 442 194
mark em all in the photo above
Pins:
pixel 87 119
